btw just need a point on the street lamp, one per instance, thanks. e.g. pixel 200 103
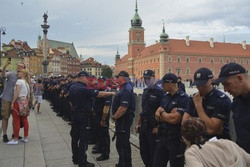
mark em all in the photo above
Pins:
pixel 2 32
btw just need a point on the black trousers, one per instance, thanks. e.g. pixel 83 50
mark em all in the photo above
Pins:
pixel 122 130
pixel 104 141
pixel 169 150
pixel 80 133
pixel 147 146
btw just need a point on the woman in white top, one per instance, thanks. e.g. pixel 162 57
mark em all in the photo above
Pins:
pixel 21 91
pixel 204 153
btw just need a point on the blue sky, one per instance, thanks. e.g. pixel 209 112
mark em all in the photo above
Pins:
pixel 99 27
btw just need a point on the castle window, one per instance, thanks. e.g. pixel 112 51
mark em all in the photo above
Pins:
pixel 188 59
pixel 169 70
pixel 242 61
pixel 212 60
pixel 187 71
pixel 178 59
pixel 200 60
pixel 169 58
pixel 221 60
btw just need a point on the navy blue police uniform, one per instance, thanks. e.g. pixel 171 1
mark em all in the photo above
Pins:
pixel 125 97
pixel 80 97
pixel 151 101
pixel 240 106
pixel 241 117
pixel 103 137
pixel 170 146
pixel 216 104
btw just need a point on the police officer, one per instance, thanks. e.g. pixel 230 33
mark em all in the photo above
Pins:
pixel 101 108
pixel 123 112
pixel 80 97
pixel 170 146
pixel 236 81
pixel 181 85
pixel 209 104
pixel 146 124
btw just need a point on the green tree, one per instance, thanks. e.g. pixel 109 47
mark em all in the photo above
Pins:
pixel 107 71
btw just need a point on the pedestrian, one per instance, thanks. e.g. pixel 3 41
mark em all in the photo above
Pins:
pixel 146 125
pixel 1 91
pixel 20 106
pixel 181 85
pixel 80 98
pixel 236 81
pixel 123 109
pixel 170 146
pixel 38 93
pixel 7 95
pixel 209 104
pixel 213 152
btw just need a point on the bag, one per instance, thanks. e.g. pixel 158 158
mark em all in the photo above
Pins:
pixel 23 105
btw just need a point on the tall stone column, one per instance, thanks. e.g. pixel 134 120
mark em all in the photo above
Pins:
pixel 45 27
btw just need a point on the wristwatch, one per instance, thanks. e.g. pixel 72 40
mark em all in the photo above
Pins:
pixel 161 112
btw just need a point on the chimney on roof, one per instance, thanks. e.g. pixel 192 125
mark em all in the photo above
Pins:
pixel 187 41
pixel 244 44
pixel 211 42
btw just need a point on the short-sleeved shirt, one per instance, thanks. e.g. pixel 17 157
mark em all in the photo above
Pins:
pixel 241 117
pixel 124 97
pixel 216 104
pixel 24 87
pixel 179 100
pixel 99 103
pixel 8 91
pixel 151 101
pixel 81 98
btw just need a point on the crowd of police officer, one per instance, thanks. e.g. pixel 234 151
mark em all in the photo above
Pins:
pixel 87 106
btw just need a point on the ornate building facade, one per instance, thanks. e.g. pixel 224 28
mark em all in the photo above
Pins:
pixel 180 56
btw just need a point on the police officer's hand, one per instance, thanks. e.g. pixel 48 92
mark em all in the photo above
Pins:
pixel 197 98
pixel 113 118
pixel 136 128
pixel 102 123
pixel 155 131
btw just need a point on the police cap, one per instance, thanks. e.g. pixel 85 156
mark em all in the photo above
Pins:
pixel 201 76
pixel 169 78
pixel 228 70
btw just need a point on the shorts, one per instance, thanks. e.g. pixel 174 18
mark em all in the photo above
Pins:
pixel 6 109
pixel 39 99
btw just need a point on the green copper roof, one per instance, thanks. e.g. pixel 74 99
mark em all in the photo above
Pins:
pixel 164 35
pixel 70 46
pixel 136 21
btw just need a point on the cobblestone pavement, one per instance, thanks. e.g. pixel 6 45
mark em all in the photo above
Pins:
pixel 49 144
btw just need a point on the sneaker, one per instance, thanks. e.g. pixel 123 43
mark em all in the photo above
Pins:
pixel 5 138
pixel 13 142
pixel 24 140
